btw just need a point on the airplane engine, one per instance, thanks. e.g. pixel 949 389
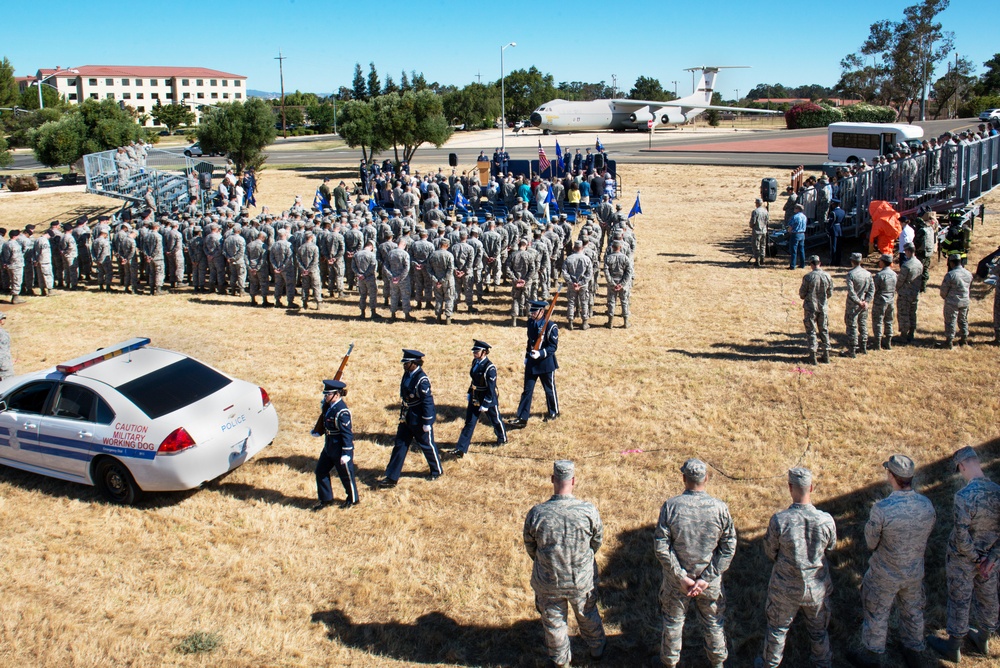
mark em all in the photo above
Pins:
pixel 641 116
pixel 672 117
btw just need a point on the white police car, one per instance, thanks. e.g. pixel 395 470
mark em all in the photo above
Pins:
pixel 131 418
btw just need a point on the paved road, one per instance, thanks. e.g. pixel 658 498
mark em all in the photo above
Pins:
pixel 298 152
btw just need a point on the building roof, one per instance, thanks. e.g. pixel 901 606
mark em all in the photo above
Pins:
pixel 139 71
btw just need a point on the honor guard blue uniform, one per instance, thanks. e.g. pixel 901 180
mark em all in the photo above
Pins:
pixel 338 451
pixel 416 420
pixel 540 365
pixel 483 399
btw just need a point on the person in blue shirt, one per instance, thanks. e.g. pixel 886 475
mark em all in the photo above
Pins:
pixel 585 190
pixel 797 238
pixel 484 401
pixel 416 420
pixel 338 450
pixel 540 365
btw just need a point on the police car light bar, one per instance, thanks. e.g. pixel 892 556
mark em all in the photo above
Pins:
pixel 101 355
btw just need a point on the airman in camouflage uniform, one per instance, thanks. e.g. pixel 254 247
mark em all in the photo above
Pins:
pixel 815 293
pixel 336 263
pixel 860 291
pixel 896 533
pixel 100 251
pixel 420 253
pixel 365 266
pixel 758 233
pixel 492 246
pixel 234 250
pixel 884 303
pixel 578 271
pixel 70 260
pixel 969 560
pixel 797 541
pixel 618 276
pixel 908 293
pixel 465 264
pixel 695 541
pixel 128 256
pixel 283 262
pixel 216 262
pixel 441 268
pixel 955 293
pixel 152 252
pixel 521 267
pixel 199 261
pixel 307 263
pixel 398 268
pixel 43 265
pixel 12 258
pixel 257 268
pixel 562 536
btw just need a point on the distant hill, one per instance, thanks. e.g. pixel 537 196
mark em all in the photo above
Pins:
pixel 262 93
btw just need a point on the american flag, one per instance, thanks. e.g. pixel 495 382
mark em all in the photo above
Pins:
pixel 543 162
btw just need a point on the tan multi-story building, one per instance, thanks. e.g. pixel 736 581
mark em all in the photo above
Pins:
pixel 142 88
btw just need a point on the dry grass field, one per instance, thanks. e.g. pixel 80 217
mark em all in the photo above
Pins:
pixel 434 573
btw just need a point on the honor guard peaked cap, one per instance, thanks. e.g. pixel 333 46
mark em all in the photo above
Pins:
pixel 961 455
pixel 411 355
pixel 333 386
pixel 480 345
pixel 800 477
pixel 900 465
pixel 694 470
pixel 538 305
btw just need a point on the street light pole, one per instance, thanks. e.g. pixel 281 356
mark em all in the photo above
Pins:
pixel 41 82
pixel 503 105
pixel 675 88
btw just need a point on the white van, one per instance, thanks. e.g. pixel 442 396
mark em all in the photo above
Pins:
pixel 854 142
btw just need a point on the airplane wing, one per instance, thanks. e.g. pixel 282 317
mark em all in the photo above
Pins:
pixel 638 104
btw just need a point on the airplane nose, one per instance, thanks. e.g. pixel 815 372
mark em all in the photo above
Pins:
pixel 535 119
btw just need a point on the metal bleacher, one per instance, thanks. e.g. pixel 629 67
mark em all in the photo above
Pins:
pixel 164 171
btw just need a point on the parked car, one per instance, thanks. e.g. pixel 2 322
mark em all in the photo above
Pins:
pixel 130 419
pixel 989 115
pixel 194 151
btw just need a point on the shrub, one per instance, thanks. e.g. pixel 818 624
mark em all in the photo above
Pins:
pixel 978 105
pixel 811 115
pixel 869 113
pixel 199 642
pixel 22 183
pixel 713 117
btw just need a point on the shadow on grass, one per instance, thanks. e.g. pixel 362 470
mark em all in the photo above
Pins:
pixel 35 482
pixel 246 492
pixel 446 413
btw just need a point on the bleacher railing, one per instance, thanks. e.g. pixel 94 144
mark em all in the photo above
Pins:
pixel 161 170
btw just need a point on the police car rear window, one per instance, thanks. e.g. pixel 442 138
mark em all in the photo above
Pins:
pixel 173 387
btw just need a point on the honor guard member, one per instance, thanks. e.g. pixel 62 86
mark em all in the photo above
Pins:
pixel 896 533
pixel 797 541
pixel 539 364
pixel 694 541
pixel 338 450
pixel 970 560
pixel 416 420
pixel 484 400
pixel 815 292
pixel 561 536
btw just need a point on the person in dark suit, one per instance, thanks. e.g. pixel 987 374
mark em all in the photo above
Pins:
pixel 416 420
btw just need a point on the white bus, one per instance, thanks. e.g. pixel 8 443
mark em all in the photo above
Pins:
pixel 854 142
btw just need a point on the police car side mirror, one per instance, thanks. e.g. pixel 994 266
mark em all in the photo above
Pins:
pixel 3 406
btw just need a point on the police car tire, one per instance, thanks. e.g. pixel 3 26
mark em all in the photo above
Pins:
pixel 115 482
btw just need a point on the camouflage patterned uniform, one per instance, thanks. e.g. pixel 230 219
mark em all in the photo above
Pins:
pixel 815 293
pixel 618 276
pixel 441 268
pixel 897 533
pixel 694 538
pixel 955 293
pixel 365 268
pixel 758 238
pixel 860 288
pixel 578 269
pixel 521 267
pixel 561 537
pixel 908 295
pixel 398 269
pixel 797 540
pixel 884 304
pixel 974 535
pixel 257 265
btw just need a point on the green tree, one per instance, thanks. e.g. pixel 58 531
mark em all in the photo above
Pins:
pixel 107 125
pixel 417 81
pixel 172 116
pixel 294 116
pixel 525 91
pixel 648 88
pixel 407 121
pixel 322 117
pixel 954 88
pixel 9 95
pixel 390 85
pixel 5 157
pixel 477 106
pixel 404 82
pixel 61 142
pixel 28 99
pixel 374 87
pixel 989 82
pixel 358 86
pixel 21 125
pixel 580 91
pixel 358 128
pixel 241 129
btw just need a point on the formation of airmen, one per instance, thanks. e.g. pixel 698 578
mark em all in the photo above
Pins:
pixel 423 256
pixel 695 542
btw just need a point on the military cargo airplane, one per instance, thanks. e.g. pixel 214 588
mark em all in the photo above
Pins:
pixel 625 114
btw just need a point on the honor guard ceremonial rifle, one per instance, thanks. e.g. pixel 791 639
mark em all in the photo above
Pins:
pixel 319 428
pixel 548 316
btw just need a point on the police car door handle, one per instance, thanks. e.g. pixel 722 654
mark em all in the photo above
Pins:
pixel 84 434
pixel 30 426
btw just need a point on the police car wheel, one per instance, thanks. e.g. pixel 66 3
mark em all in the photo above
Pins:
pixel 115 482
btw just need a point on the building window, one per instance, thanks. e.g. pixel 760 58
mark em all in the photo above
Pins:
pixel 110 96
pixel 201 96
pixel 215 96
pixel 154 96
pixel 72 96
pixel 140 109
pixel 70 82
pixel 239 95
pixel 213 82
pixel 199 82
pixel 225 82
pixel 94 96
pixel 237 83
pixel 170 95
pixel 124 82
pixel 138 82
pixel 109 82
pixel 92 82
pixel 187 96
pixel 225 96
pixel 185 82
pixel 152 82
pixel 126 96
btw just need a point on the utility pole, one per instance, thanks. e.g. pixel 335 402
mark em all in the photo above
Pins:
pixel 675 89
pixel 479 77
pixel 281 74
pixel 923 80
pixel 738 95
pixel 614 85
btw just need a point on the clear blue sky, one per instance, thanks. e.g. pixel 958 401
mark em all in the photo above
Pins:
pixel 450 42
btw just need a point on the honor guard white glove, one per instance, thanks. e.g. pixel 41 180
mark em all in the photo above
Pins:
pixel 483 409
pixel 535 354
pixel 344 460
pixel 427 429
pixel 315 434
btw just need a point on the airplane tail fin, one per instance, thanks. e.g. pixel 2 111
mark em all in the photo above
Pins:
pixel 702 94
